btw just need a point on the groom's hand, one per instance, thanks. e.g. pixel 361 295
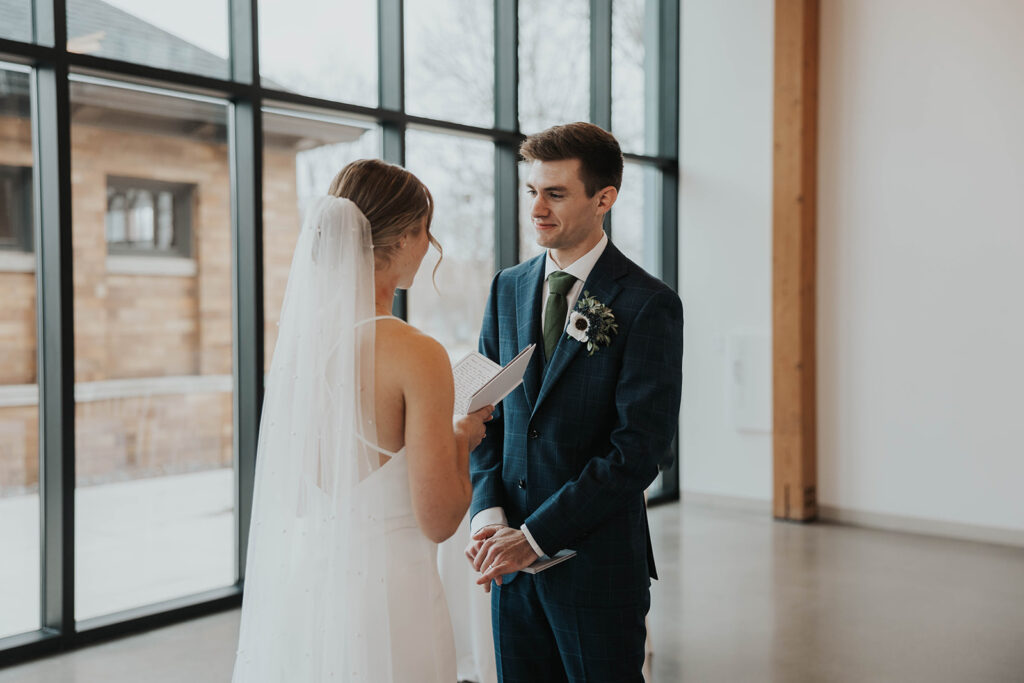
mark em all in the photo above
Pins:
pixel 502 551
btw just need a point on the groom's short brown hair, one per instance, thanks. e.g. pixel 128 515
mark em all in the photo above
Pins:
pixel 597 149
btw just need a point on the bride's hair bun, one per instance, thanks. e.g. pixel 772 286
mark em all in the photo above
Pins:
pixel 394 200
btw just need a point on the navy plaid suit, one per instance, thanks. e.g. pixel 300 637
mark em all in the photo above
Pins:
pixel 569 453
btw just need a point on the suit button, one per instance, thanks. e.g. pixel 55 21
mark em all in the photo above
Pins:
pixel 522 483
pixel 533 434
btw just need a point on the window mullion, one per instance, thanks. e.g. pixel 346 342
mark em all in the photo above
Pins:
pixel 601 71
pixel 245 141
pixel 506 116
pixel 391 67
pixel 51 144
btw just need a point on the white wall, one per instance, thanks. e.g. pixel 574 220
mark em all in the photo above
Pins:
pixel 725 241
pixel 921 260
pixel 920 257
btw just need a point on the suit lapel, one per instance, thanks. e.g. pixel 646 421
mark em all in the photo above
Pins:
pixel 528 293
pixel 602 285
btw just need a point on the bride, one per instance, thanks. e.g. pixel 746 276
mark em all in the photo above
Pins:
pixel 360 471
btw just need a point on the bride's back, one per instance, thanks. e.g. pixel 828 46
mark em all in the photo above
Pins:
pixel 414 389
pixel 414 397
pixel 394 341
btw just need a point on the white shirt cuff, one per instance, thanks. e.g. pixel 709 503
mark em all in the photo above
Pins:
pixel 495 515
pixel 533 543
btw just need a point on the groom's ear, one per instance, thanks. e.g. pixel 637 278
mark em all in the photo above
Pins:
pixel 606 197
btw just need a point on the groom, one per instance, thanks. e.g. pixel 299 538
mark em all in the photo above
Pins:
pixel 567 456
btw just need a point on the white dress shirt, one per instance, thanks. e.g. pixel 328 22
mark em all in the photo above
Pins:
pixel 580 269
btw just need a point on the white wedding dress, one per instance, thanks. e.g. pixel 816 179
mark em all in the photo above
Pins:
pixel 470 608
pixel 414 618
pixel 340 583
pixel 407 630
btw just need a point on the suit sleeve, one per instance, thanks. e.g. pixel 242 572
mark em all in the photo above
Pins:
pixel 486 460
pixel 647 396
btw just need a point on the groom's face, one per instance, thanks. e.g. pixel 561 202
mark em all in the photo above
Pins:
pixel 562 213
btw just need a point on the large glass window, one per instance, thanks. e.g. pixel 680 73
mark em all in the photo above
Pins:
pixel 633 216
pixel 323 48
pixel 302 153
pixel 153 291
pixel 153 368
pixel 554 63
pixel 16 21
pixel 184 35
pixel 460 174
pixel 449 60
pixel 630 22
pixel 19 396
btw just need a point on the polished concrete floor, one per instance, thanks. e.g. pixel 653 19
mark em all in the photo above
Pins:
pixel 741 599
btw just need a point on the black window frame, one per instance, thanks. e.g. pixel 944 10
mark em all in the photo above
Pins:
pixel 51 68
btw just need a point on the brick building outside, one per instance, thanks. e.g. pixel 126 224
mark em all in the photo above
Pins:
pixel 151 244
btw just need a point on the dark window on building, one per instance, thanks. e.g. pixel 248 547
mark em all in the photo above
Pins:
pixel 16 208
pixel 149 217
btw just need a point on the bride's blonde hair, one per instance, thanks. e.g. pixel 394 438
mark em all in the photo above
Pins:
pixel 392 199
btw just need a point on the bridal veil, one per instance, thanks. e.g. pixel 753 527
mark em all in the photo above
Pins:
pixel 312 599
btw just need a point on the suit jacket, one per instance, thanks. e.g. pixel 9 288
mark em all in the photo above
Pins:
pixel 571 451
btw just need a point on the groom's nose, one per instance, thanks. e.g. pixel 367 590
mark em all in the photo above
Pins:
pixel 539 208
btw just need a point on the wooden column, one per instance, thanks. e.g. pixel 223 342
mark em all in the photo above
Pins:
pixel 793 259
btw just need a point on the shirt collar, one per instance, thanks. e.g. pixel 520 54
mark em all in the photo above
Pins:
pixel 581 267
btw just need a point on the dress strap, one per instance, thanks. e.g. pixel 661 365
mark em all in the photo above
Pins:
pixel 378 317
pixel 376 447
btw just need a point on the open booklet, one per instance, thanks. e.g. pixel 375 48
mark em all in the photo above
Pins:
pixel 480 382
pixel 544 562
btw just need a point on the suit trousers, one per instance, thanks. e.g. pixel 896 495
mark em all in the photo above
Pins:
pixel 540 638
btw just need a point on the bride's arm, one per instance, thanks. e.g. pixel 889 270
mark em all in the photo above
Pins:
pixel 438 453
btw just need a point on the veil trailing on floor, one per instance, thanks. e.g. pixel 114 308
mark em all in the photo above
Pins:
pixel 311 598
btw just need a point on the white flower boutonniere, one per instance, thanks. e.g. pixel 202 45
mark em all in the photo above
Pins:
pixel 592 323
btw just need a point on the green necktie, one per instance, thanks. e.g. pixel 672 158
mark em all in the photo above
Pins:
pixel 559 284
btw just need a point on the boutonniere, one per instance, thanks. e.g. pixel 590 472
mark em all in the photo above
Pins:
pixel 592 323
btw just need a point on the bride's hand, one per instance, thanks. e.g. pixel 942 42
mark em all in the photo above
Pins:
pixel 481 535
pixel 471 427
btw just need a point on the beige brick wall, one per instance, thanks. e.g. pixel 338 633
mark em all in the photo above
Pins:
pixel 152 326
pixel 149 436
pixel 17 328
pixel 196 311
pixel 19 448
pixel 280 232
pixel 137 326
pixel 17 290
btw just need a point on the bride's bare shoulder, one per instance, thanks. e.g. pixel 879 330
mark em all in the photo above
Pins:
pixel 407 346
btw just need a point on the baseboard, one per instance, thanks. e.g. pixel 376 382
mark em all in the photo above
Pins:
pixel 869 520
pixel 736 503
pixel 925 527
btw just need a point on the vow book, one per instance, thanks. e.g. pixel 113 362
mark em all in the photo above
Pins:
pixel 544 562
pixel 480 382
